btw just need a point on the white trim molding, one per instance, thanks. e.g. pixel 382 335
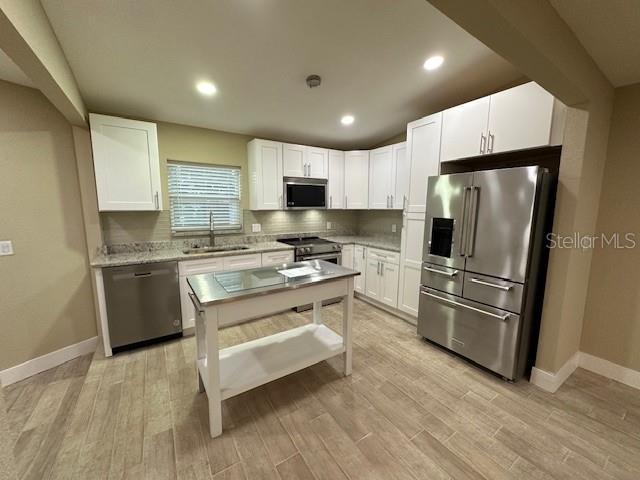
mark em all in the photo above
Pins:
pixel 610 370
pixel 552 381
pixel 45 362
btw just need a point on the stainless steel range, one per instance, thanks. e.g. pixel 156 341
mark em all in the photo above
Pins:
pixel 315 248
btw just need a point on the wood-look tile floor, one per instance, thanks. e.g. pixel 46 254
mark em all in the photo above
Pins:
pixel 409 411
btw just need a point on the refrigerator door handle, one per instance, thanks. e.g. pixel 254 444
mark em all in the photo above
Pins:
pixel 502 318
pixel 473 217
pixel 463 229
pixel 506 288
pixel 440 272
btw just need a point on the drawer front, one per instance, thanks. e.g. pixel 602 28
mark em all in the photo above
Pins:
pixel 485 335
pixel 442 278
pixel 277 258
pixel 383 255
pixel 493 291
pixel 242 262
pixel 196 267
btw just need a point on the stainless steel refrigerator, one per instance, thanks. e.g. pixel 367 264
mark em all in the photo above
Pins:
pixel 484 263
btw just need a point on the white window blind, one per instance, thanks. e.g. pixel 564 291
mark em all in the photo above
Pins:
pixel 197 190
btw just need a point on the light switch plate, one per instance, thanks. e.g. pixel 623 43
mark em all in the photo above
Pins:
pixel 329 225
pixel 393 228
pixel 6 247
pixel 256 227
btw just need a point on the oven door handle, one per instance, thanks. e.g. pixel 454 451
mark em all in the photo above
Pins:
pixel 321 257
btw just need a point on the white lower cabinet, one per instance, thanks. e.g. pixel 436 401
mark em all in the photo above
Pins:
pixel 210 265
pixel 359 264
pixel 382 276
pixel 347 256
pixel 277 258
pixel 411 263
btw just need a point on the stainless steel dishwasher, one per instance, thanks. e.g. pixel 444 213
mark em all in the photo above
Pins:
pixel 143 303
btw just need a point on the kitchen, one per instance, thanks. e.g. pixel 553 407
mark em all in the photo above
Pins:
pixel 378 298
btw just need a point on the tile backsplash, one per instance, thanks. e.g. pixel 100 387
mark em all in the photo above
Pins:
pixel 130 227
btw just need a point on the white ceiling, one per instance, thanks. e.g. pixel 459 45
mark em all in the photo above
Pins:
pixel 142 58
pixel 610 32
pixel 10 72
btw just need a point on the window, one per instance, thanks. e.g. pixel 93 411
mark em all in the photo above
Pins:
pixel 197 190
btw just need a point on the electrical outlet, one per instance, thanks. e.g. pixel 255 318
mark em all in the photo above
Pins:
pixel 329 225
pixel 256 227
pixel 393 228
pixel 6 247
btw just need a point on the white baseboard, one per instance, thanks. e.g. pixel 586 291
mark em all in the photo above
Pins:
pixel 552 381
pixel 45 362
pixel 610 370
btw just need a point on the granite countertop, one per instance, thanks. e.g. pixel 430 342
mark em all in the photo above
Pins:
pixel 383 242
pixel 171 254
pixel 215 288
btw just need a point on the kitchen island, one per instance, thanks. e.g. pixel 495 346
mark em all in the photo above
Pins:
pixel 232 297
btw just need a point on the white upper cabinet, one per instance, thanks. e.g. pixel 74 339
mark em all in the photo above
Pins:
pixel 335 184
pixel 316 161
pixel 356 179
pixel 464 130
pixel 520 118
pixel 400 175
pixel 303 161
pixel 265 174
pixel 293 160
pixel 127 164
pixel 423 150
pixel 380 178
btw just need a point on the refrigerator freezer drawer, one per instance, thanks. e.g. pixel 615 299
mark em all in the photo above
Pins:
pixel 493 291
pixel 485 335
pixel 442 278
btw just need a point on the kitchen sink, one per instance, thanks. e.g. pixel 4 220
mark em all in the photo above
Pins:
pixel 224 248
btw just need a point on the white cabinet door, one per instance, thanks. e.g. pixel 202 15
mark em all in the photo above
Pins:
pixel 519 118
pixel 389 284
pixel 359 264
pixel 126 163
pixel 400 175
pixel 464 130
pixel 347 256
pixel 423 149
pixel 380 180
pixel 277 258
pixel 193 267
pixel 265 174
pixel 411 263
pixel 356 179
pixel 316 161
pixel 373 280
pixel 335 183
pixel 293 159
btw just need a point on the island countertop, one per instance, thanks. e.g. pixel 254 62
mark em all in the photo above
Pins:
pixel 221 287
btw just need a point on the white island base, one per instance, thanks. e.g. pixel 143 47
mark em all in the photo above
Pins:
pixel 234 370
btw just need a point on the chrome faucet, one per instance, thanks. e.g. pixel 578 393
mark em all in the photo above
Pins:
pixel 212 226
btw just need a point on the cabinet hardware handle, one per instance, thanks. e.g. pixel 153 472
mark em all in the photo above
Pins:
pixel 346 201
pixel 504 317
pixel 404 202
pixel 156 201
pixel 441 272
pixel 330 201
pixel 490 140
pixel 391 202
pixel 506 288
pixel 482 142
pixel 280 200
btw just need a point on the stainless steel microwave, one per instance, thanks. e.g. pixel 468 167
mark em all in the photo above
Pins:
pixel 300 193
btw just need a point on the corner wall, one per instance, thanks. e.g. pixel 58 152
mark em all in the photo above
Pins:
pixel 47 303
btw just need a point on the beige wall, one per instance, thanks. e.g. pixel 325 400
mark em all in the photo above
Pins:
pixel 46 302
pixel 612 315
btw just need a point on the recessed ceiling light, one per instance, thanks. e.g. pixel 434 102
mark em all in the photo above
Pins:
pixel 433 62
pixel 206 88
pixel 347 120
